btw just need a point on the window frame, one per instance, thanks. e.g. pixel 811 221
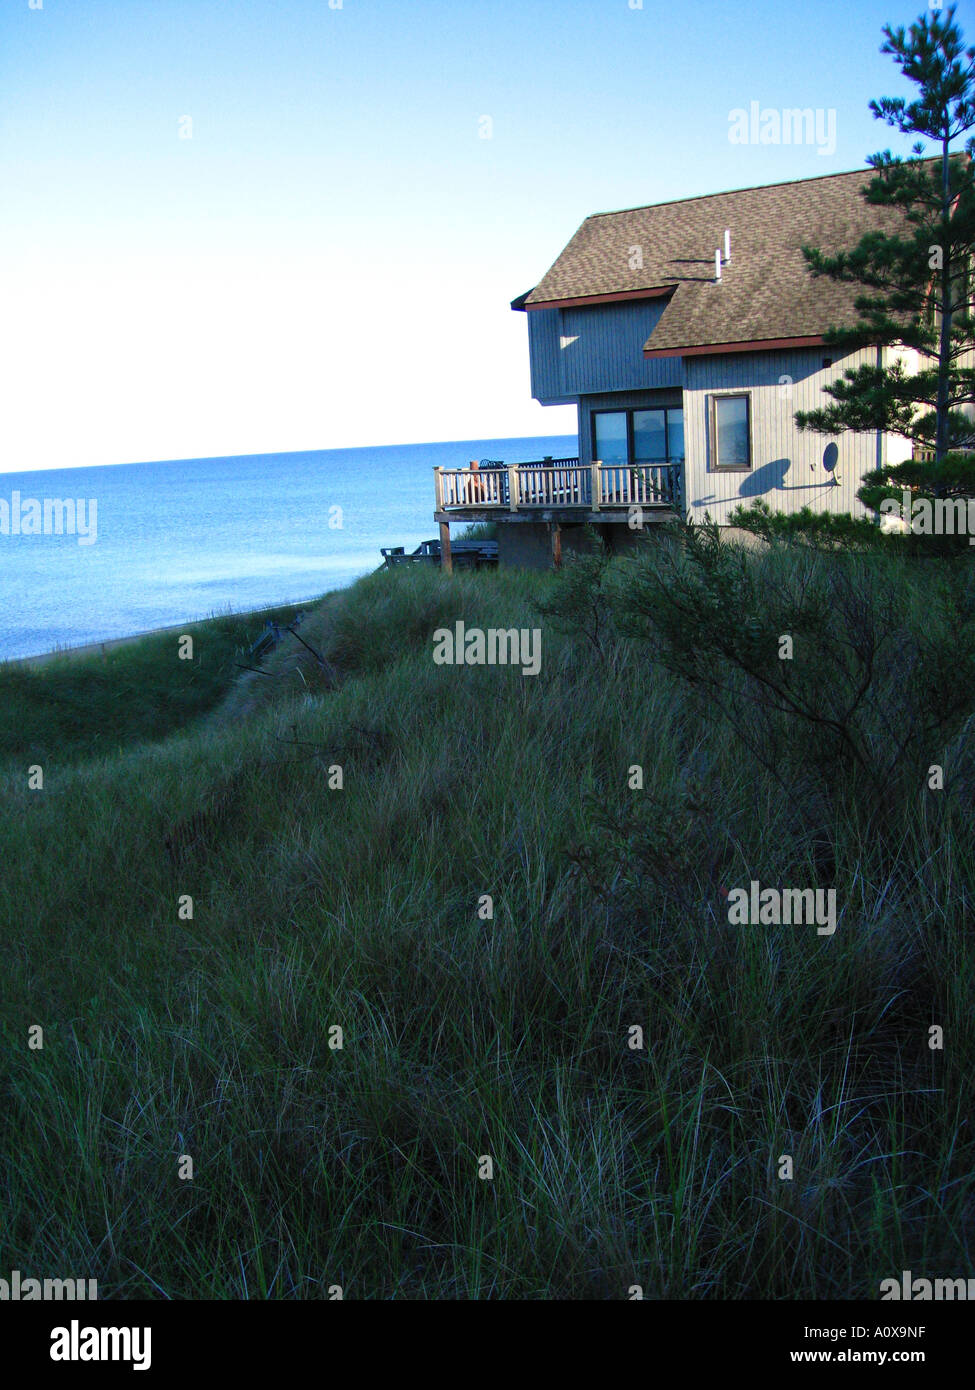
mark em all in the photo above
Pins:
pixel 714 466
pixel 612 410
pixel 629 411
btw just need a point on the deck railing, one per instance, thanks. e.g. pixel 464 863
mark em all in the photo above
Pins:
pixel 642 484
pixel 927 453
pixel 561 483
pixel 471 487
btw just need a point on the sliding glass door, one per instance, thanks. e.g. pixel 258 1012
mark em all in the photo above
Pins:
pixel 635 448
pixel 638 436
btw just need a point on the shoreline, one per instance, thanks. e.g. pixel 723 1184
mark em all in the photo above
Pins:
pixel 109 644
pixel 91 648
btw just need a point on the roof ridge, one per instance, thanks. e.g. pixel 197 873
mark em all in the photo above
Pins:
pixel 728 192
pixel 769 294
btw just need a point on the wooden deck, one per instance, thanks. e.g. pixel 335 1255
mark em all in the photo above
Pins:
pixel 564 486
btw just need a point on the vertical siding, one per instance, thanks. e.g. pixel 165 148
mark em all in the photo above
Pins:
pixel 897 448
pixel 967 359
pixel 574 352
pixel 790 468
pixel 594 356
pixel 543 353
pixel 601 349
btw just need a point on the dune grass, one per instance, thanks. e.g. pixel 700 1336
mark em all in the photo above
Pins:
pixel 80 706
pixel 466 1036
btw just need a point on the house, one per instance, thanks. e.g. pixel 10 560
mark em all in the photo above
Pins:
pixel 687 335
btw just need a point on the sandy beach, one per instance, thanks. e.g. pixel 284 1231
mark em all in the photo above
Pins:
pixel 93 648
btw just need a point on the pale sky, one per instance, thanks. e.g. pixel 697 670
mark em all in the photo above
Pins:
pixel 329 259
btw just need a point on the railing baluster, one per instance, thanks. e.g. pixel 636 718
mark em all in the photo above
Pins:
pixel 562 483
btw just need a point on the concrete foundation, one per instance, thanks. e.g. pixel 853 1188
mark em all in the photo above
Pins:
pixel 528 544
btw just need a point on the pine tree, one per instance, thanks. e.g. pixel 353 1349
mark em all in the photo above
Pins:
pixel 918 282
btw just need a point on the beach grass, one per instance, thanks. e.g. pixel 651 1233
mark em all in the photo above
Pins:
pixel 78 704
pixel 485 1125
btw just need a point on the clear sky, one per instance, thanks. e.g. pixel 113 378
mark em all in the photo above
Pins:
pixel 329 259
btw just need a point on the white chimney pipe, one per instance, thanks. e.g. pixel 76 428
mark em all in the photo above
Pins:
pixel 717 265
pixel 727 244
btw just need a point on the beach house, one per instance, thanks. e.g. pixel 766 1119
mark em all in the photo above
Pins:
pixel 687 335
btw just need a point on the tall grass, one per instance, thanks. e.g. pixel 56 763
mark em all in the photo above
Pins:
pixel 468 1036
pixel 73 706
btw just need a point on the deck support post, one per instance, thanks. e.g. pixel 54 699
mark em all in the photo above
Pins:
pixel 446 559
pixel 556 530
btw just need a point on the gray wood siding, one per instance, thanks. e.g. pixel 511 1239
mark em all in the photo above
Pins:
pixel 601 349
pixel 594 356
pixel 544 327
pixel 790 468
pixel 575 352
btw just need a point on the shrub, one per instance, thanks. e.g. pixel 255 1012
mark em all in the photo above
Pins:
pixel 852 671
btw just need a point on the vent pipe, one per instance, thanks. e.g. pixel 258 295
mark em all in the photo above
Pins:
pixel 727 243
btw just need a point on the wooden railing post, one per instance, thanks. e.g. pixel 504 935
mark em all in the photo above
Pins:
pixel 438 479
pixel 513 488
pixel 596 467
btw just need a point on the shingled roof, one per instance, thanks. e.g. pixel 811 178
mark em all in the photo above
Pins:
pixel 766 292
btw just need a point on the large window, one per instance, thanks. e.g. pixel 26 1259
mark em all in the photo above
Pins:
pixel 610 436
pixel 638 436
pixel 731 444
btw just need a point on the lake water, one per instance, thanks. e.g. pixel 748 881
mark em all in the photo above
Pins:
pixel 174 542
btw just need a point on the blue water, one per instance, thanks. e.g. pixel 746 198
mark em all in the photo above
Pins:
pixel 183 540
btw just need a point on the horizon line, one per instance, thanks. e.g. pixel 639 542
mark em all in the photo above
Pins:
pixel 276 453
